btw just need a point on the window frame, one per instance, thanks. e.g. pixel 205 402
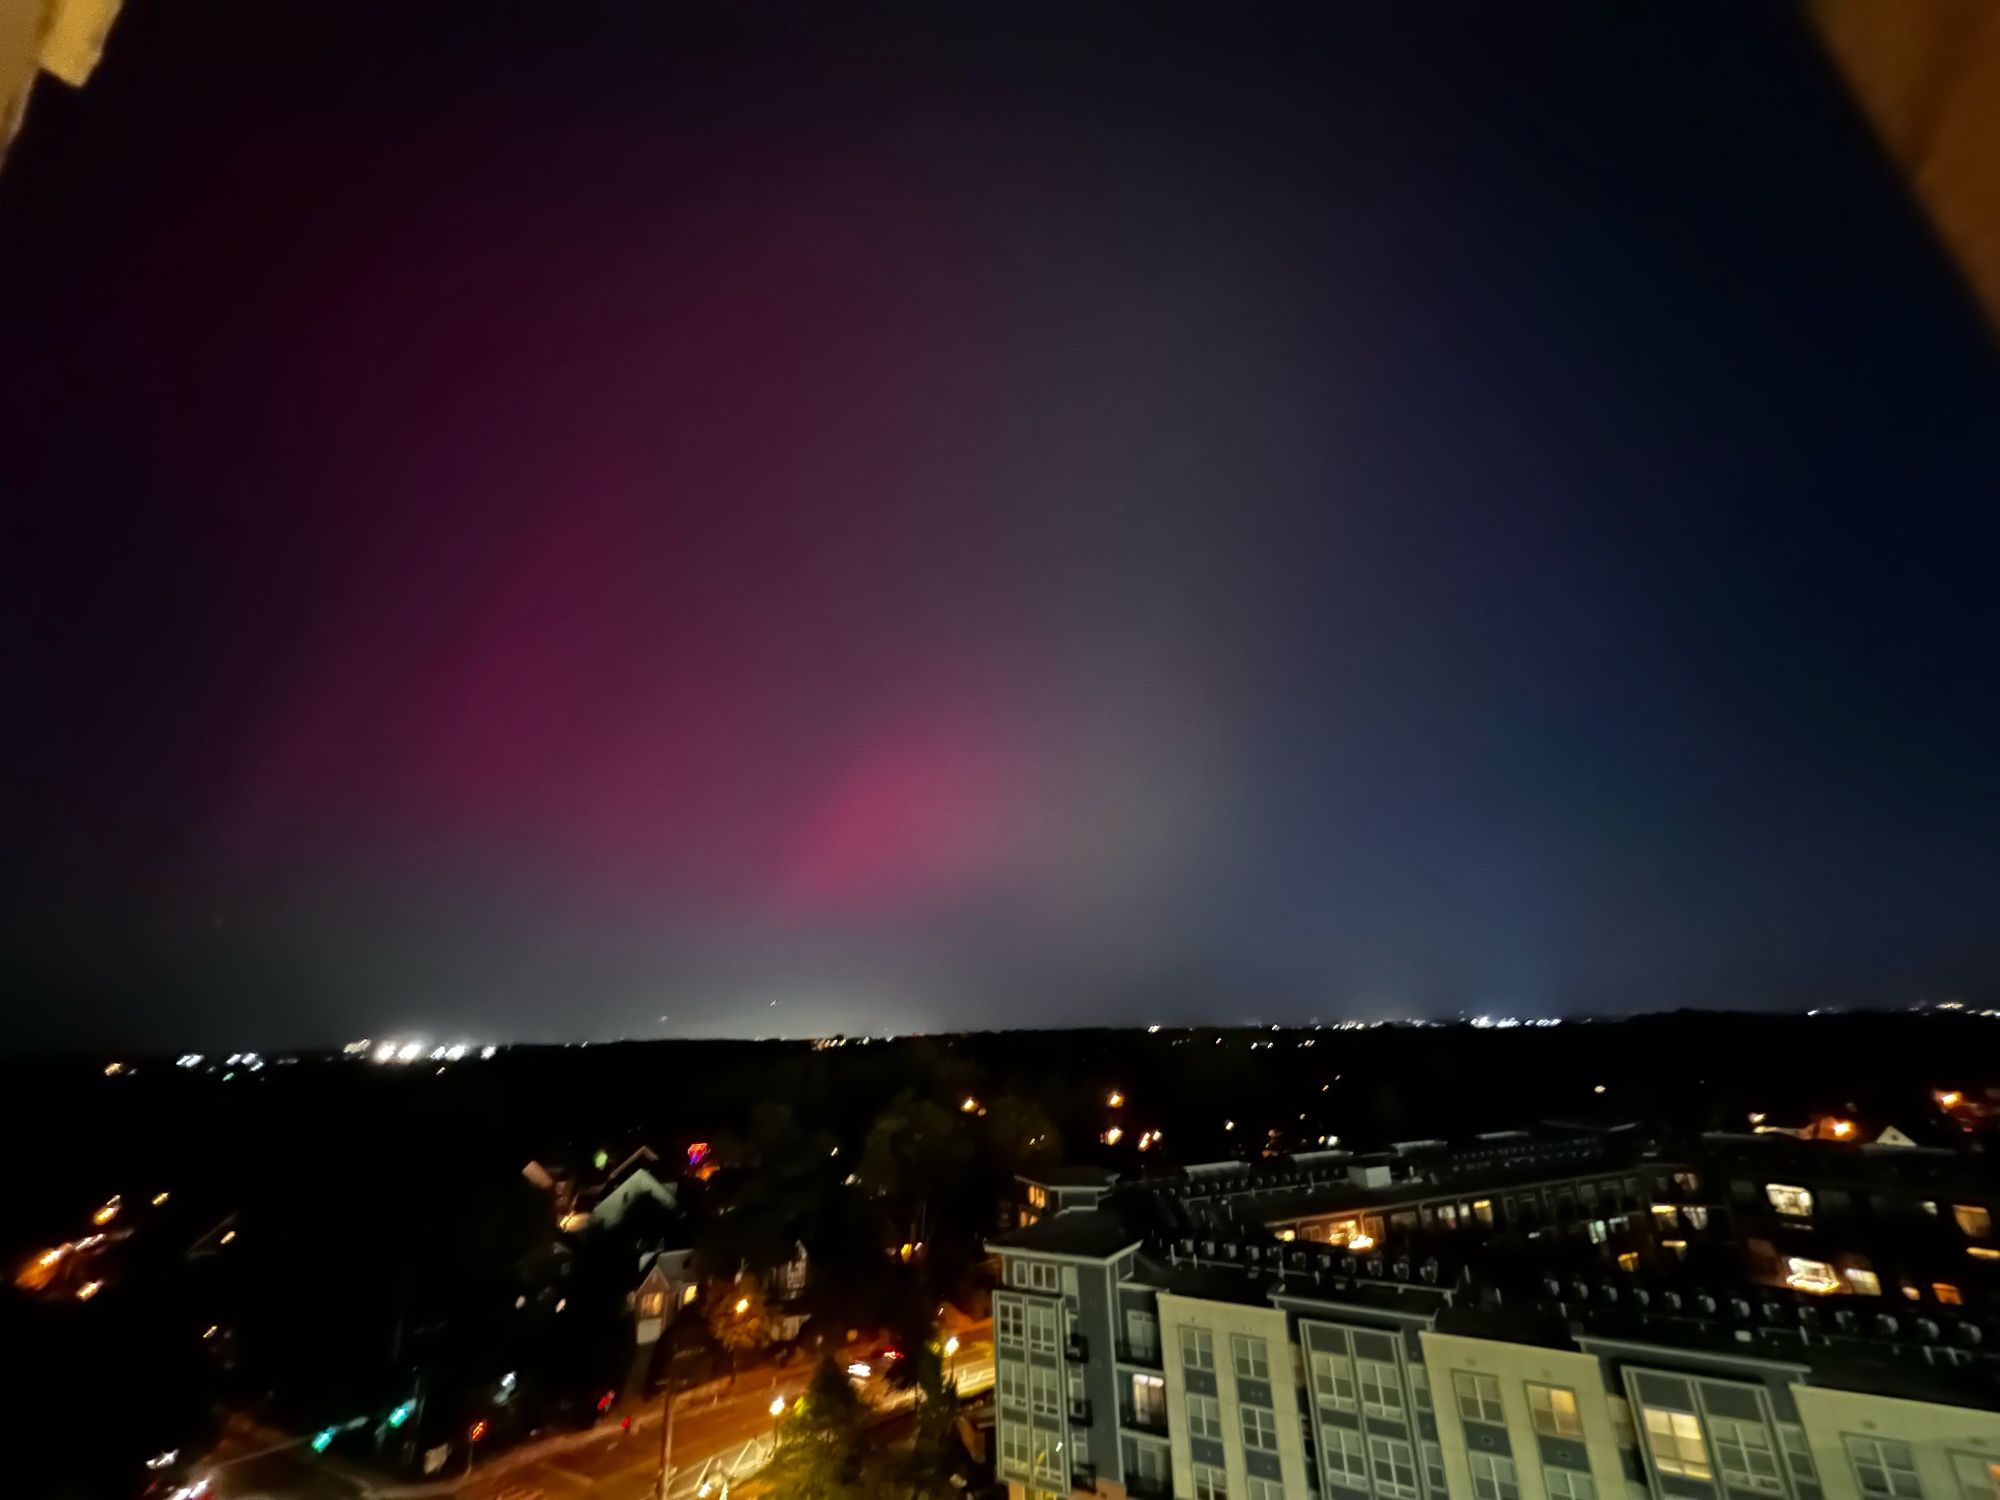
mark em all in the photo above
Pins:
pixel 1480 1383
pixel 1552 1406
pixel 1198 1349
pixel 1677 1462
pixel 1251 1350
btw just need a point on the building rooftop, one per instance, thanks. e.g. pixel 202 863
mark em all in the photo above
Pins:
pixel 1077 1231
pixel 1070 1177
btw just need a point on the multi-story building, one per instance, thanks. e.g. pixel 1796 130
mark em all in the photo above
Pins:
pixel 1164 1341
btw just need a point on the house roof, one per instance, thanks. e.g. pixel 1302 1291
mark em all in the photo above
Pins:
pixel 1086 1232
pixel 1070 1177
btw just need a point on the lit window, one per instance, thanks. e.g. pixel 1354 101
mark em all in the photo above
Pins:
pixel 1810 1275
pixel 1568 1484
pixel 1333 1380
pixel 1884 1468
pixel 1149 1400
pixel 1210 1483
pixel 1744 1454
pixel 1260 1428
pixel 1198 1348
pixel 1493 1478
pixel 1249 1356
pixel 1628 1260
pixel 1688 1182
pixel 1975 1221
pixel 653 1304
pixel 1665 1215
pixel 1346 1461
pixel 1478 1397
pixel 1204 1417
pixel 1395 1467
pixel 1978 1476
pixel 1381 1392
pixel 1483 1212
pixel 1863 1282
pixel 1599 1231
pixel 688 1294
pixel 1046 1449
pixel 1946 1293
pixel 1696 1216
pixel 1038 1197
pixel 1674 1439
pixel 1792 1202
pixel 1553 1409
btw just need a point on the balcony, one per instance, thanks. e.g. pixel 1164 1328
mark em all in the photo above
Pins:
pixel 1142 1356
pixel 1079 1410
pixel 1149 1487
pixel 1151 1419
pixel 1077 1349
pixel 1083 1476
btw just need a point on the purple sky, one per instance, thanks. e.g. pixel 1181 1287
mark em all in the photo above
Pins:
pixel 789 521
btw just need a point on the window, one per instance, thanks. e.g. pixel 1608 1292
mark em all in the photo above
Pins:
pixel 1210 1483
pixel 1046 1447
pixel 1041 1329
pixel 653 1304
pixel 1803 1275
pixel 1674 1437
pixel 1798 1453
pixel 1381 1391
pixel 1260 1429
pixel 1743 1452
pixel 1688 1182
pixel 1045 1398
pixel 1346 1460
pixel 1395 1467
pixel 1264 1489
pixel 1628 1260
pixel 1433 1456
pixel 1478 1397
pixel 1142 1334
pixel 1599 1231
pixel 1884 1468
pixel 1013 1382
pixel 1483 1212
pixel 1007 1321
pixel 1696 1216
pixel 1149 1400
pixel 1946 1293
pixel 1493 1477
pixel 1420 1388
pixel 1198 1348
pixel 1978 1476
pixel 1249 1356
pixel 1792 1202
pixel 688 1294
pixel 1553 1408
pixel 1569 1484
pixel 1013 1446
pixel 1864 1283
pixel 1040 1275
pixel 1333 1380
pixel 1038 1197
pixel 1069 1281
pixel 1204 1417
pixel 1975 1221
pixel 1665 1216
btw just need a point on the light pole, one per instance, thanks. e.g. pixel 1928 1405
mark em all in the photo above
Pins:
pixel 666 1431
pixel 950 1348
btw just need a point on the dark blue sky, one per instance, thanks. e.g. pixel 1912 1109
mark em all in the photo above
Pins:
pixel 527 520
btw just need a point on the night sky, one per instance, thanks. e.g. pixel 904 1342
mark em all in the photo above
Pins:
pixel 580 520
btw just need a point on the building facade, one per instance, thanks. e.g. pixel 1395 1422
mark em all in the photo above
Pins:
pixel 1232 1364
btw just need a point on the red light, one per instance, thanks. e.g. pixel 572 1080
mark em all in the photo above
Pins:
pixel 478 1431
pixel 626 1425
pixel 604 1401
pixel 697 1153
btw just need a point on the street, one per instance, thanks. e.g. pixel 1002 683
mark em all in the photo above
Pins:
pixel 727 1436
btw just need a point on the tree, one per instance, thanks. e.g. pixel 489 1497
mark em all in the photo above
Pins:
pixel 818 1453
pixel 737 1317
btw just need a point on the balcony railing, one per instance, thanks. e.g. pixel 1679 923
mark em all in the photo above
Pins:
pixel 1147 1419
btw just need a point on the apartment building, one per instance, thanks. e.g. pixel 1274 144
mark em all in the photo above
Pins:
pixel 1207 1358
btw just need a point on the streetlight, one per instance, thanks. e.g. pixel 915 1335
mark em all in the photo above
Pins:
pixel 777 1406
pixel 950 1348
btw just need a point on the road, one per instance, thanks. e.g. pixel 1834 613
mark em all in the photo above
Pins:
pixel 727 1436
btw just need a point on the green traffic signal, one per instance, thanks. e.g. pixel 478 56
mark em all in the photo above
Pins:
pixel 402 1414
pixel 322 1440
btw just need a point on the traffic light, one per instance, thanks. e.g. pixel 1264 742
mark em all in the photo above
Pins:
pixel 604 1401
pixel 323 1439
pixel 402 1414
pixel 478 1430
